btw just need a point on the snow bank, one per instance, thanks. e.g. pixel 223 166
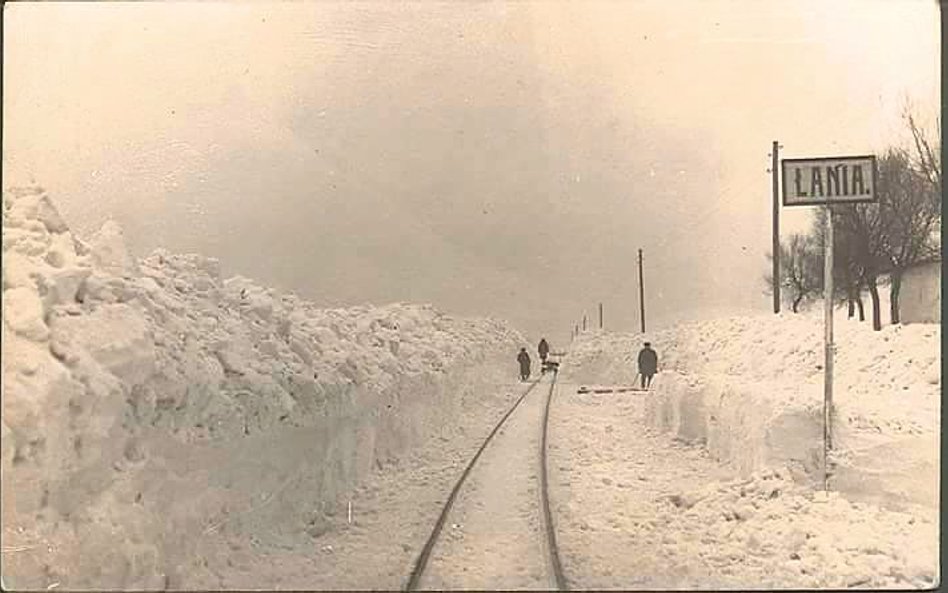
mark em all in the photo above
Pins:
pixel 148 404
pixel 787 536
pixel 751 390
pixel 638 509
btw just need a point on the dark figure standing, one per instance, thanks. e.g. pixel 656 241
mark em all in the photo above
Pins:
pixel 543 349
pixel 524 359
pixel 648 364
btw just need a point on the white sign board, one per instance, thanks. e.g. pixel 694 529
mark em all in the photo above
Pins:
pixel 830 180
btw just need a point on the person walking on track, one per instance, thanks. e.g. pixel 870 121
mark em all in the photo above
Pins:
pixel 648 364
pixel 543 349
pixel 524 359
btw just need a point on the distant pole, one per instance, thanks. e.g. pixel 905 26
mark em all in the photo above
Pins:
pixel 828 346
pixel 584 322
pixel 776 220
pixel 641 294
pixel 600 315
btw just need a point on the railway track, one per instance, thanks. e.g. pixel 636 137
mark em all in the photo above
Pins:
pixel 543 513
pixel 552 548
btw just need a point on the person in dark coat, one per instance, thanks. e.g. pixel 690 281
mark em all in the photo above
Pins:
pixel 524 359
pixel 543 349
pixel 648 364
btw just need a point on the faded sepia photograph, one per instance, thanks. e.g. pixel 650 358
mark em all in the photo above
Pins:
pixel 335 295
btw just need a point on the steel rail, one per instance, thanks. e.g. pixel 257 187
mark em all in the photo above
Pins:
pixel 422 561
pixel 554 553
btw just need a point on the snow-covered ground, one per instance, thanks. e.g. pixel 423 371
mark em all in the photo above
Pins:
pixel 495 538
pixel 751 390
pixel 746 394
pixel 370 538
pixel 638 509
pixel 150 405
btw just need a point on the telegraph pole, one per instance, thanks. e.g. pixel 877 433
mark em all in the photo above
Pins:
pixel 775 162
pixel 584 322
pixel 600 315
pixel 641 294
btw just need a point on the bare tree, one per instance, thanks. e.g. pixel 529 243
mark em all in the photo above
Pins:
pixel 858 233
pixel 800 270
pixel 910 209
pixel 926 159
pixel 848 287
pixel 847 276
pixel 894 234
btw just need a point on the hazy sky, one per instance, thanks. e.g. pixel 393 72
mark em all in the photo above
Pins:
pixel 502 159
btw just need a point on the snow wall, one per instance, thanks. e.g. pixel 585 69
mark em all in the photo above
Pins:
pixel 148 404
pixel 750 389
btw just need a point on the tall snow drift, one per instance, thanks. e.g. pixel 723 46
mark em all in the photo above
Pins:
pixel 751 390
pixel 147 404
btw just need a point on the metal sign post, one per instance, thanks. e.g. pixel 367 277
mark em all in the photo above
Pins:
pixel 823 182
pixel 827 343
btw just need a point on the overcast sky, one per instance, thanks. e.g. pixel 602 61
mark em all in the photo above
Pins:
pixel 503 159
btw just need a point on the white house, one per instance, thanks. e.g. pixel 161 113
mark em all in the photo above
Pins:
pixel 920 295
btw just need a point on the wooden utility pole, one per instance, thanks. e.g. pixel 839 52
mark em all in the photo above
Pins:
pixel 641 293
pixel 584 322
pixel 775 163
pixel 600 315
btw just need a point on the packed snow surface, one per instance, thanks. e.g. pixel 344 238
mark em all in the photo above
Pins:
pixel 638 509
pixel 149 405
pixel 747 394
pixel 494 537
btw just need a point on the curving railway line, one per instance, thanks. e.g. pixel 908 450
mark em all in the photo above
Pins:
pixel 496 529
